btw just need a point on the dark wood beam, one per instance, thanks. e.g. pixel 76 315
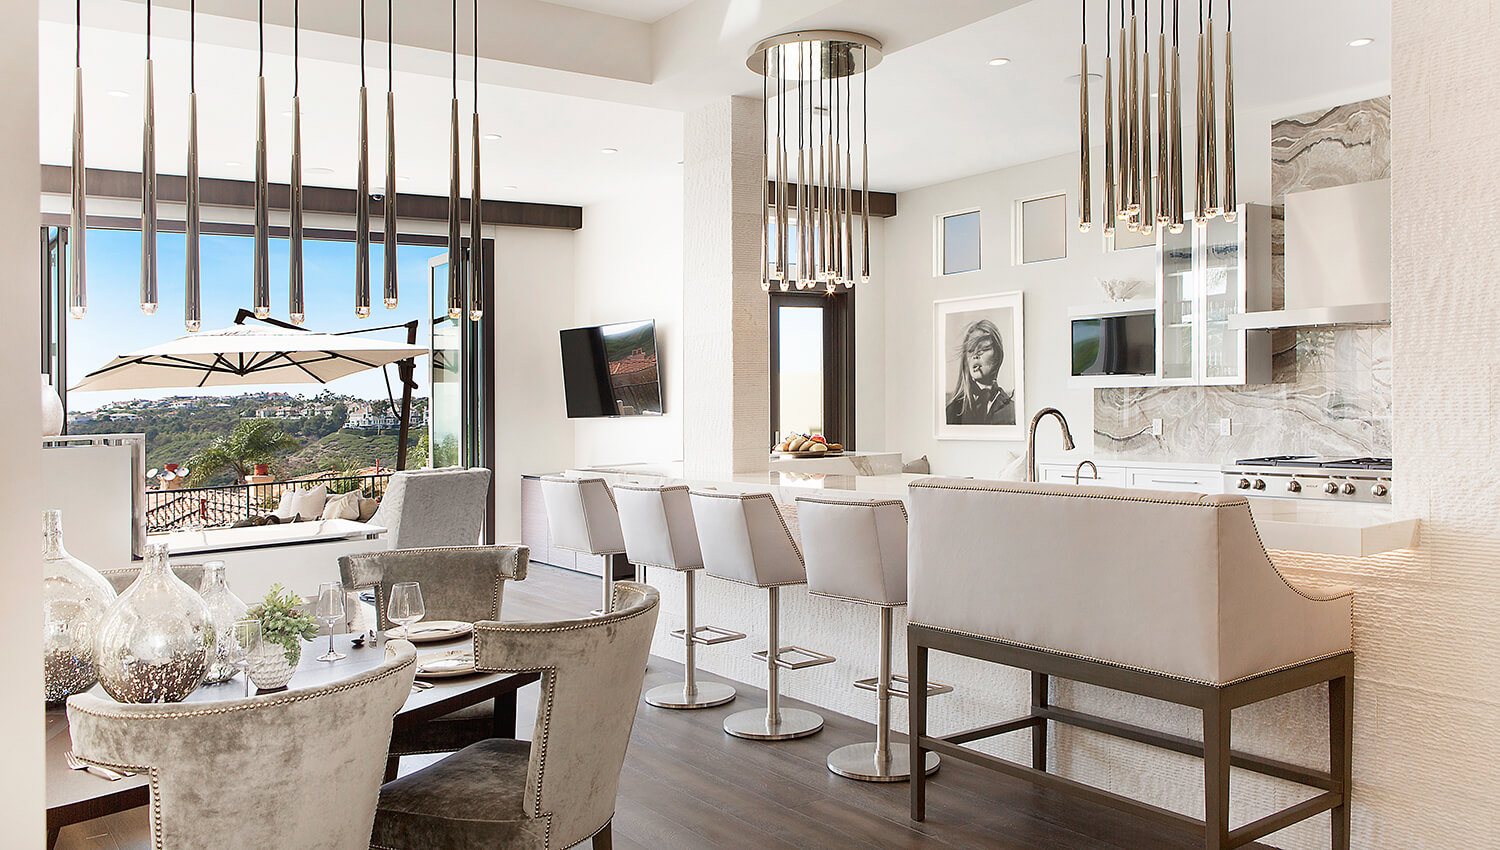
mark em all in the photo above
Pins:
pixel 882 204
pixel 219 192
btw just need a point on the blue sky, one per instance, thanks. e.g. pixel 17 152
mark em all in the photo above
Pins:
pixel 115 325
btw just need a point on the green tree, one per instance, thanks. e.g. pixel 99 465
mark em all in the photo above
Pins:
pixel 252 441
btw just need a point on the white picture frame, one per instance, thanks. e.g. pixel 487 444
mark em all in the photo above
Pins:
pixel 969 404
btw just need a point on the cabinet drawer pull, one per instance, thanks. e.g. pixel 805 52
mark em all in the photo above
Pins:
pixel 1174 481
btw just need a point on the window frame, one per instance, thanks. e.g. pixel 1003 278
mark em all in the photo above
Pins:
pixel 939 237
pixel 838 359
pixel 1018 227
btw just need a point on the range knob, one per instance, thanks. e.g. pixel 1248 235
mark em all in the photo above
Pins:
pixel 1331 488
pixel 1294 486
pixel 1244 484
pixel 1380 491
pixel 1260 484
pixel 1349 488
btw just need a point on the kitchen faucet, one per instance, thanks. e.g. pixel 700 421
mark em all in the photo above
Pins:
pixel 1031 438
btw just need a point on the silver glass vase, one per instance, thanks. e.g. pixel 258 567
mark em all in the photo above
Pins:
pixel 74 598
pixel 155 639
pixel 224 608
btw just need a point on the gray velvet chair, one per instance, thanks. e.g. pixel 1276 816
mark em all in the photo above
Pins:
pixel 434 507
pixel 559 789
pixel 291 768
pixel 191 575
pixel 458 583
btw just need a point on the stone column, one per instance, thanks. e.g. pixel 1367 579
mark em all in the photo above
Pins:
pixel 726 351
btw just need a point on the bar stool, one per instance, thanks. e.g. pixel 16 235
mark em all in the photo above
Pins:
pixel 659 531
pixel 745 539
pixel 582 516
pixel 856 551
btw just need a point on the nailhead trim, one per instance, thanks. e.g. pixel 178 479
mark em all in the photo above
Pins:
pixel 857 503
pixel 655 488
pixel 578 484
pixel 797 550
pixel 500 577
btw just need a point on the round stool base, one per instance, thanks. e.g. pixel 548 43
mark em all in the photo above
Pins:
pixel 857 761
pixel 795 723
pixel 709 695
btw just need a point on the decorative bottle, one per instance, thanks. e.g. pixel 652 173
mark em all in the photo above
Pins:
pixel 154 641
pixel 224 608
pixel 74 597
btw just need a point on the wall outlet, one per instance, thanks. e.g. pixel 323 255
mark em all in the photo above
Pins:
pixel 1156 427
pixel 1226 427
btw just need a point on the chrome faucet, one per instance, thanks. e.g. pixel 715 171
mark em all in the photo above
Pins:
pixel 1031 438
pixel 1078 473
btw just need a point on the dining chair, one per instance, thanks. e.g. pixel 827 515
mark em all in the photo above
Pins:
pixel 559 789
pixel 458 583
pixel 191 575
pixel 290 768
pixel 433 507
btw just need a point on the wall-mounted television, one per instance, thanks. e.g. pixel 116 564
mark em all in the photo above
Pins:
pixel 1115 345
pixel 611 370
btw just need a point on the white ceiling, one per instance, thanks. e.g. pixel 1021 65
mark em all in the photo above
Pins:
pixel 563 83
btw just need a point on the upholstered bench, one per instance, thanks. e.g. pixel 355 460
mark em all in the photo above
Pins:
pixel 1166 595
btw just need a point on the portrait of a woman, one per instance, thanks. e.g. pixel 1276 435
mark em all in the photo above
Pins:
pixel 980 353
pixel 978 398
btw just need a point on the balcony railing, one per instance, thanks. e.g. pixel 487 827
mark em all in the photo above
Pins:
pixel 210 507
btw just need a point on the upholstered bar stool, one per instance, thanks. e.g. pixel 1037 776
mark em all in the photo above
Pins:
pixel 581 513
pixel 745 539
pixel 659 531
pixel 855 550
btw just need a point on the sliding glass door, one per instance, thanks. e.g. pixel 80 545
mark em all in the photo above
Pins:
pixel 457 421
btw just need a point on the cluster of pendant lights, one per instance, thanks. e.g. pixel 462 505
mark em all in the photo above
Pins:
pixel 458 305
pixel 1143 168
pixel 810 120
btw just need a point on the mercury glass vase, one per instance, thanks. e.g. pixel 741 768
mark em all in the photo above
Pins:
pixel 224 608
pixel 154 641
pixel 74 598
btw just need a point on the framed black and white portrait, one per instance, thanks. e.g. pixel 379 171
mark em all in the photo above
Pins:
pixel 981 369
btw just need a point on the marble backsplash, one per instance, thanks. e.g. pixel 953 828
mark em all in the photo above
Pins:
pixel 1331 386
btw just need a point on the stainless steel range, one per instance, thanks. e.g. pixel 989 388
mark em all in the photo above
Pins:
pixel 1358 479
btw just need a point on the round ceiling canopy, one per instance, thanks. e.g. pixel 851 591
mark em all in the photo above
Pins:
pixel 814 54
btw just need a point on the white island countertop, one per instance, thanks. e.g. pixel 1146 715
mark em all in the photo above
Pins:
pixel 1330 529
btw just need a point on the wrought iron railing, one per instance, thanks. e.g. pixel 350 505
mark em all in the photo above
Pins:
pixel 210 507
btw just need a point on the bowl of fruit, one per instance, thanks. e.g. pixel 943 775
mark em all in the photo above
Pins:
pixel 807 445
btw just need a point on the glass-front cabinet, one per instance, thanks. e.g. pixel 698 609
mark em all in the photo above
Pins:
pixel 1205 275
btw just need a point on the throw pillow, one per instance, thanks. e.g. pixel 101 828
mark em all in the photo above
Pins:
pixel 367 509
pixel 284 507
pixel 308 504
pixel 344 506
pixel 920 466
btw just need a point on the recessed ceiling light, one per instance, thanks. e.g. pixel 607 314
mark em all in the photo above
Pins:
pixel 118 93
pixel 491 137
pixel 509 188
pixel 232 163
pixel 402 177
pixel 1362 42
pixel 1072 79
pixel 1000 60
pixel 609 150
pixel 320 169
pixel 287 114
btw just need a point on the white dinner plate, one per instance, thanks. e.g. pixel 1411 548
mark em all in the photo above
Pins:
pixel 441 665
pixel 433 630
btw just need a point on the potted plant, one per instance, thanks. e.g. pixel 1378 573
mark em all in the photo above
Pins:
pixel 283 628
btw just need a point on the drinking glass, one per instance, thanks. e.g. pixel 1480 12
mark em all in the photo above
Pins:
pixel 405 607
pixel 330 610
pixel 245 640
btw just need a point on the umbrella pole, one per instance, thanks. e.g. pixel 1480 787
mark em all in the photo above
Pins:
pixel 408 366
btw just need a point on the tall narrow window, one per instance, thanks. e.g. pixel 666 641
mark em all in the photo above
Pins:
pixel 958 242
pixel 812 365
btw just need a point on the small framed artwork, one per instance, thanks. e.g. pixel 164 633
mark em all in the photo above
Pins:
pixel 980 367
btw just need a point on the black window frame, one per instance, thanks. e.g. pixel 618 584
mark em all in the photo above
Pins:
pixel 838 359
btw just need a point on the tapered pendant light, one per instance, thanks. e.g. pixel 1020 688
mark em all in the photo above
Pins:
pixel 1163 127
pixel 261 296
pixel 1178 219
pixel 1110 206
pixel 389 203
pixel 768 221
pixel 297 311
pixel 455 230
pixel 149 298
pixel 1211 123
pixel 362 189
pixel 78 219
pixel 1231 193
pixel 476 201
pixel 192 311
pixel 1147 217
pixel 1085 191
pixel 1122 125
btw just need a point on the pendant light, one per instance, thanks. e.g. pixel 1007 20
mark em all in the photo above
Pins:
pixel 1211 124
pixel 1146 220
pixel 455 231
pixel 78 219
pixel 389 203
pixel 476 201
pixel 1109 121
pixel 1231 193
pixel 149 296
pixel 261 296
pixel 362 189
pixel 192 315
pixel 1085 191
pixel 1177 217
pixel 1163 127
pixel 297 310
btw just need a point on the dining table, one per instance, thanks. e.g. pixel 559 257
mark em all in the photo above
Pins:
pixel 74 796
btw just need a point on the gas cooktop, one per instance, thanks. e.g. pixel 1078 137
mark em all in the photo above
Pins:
pixel 1316 462
pixel 1344 479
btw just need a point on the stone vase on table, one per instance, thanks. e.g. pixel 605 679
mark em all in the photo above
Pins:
pixel 272 665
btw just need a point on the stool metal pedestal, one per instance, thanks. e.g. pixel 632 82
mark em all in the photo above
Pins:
pixel 877 762
pixel 691 693
pixel 776 723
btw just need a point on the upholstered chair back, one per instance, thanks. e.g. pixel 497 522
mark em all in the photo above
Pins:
pixel 854 549
pixel 1172 583
pixel 745 539
pixel 592 671
pixel 458 582
pixel 581 513
pixel 434 507
pixel 657 523
pixel 290 768
pixel 191 575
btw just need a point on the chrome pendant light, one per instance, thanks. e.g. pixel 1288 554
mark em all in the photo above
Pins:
pixel 297 311
pixel 192 312
pixel 1176 215
pixel 1110 206
pixel 262 282
pixel 388 205
pixel 1211 123
pixel 767 262
pixel 1231 192
pixel 1085 190
pixel 78 218
pixel 149 298
pixel 1147 216
pixel 476 201
pixel 362 189
pixel 1163 127
pixel 455 230
pixel 1122 126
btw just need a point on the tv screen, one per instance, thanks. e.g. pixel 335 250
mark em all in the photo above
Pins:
pixel 611 370
pixel 1115 345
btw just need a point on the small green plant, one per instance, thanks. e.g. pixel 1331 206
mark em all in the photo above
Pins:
pixel 282 621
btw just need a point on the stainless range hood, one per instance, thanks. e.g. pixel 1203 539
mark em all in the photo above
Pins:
pixel 1338 259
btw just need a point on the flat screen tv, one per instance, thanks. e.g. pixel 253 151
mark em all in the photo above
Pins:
pixel 1115 345
pixel 611 370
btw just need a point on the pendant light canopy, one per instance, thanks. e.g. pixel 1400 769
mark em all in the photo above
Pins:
pixel 261 295
pixel 149 297
pixel 476 201
pixel 297 311
pixel 192 315
pixel 362 189
pixel 811 75
pixel 455 231
pixel 78 218
pixel 389 201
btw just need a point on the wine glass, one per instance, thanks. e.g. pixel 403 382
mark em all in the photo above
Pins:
pixel 405 607
pixel 243 645
pixel 330 609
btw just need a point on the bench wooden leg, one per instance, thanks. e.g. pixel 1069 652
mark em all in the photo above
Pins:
pixel 1340 752
pixel 604 839
pixel 916 704
pixel 1216 773
pixel 1039 699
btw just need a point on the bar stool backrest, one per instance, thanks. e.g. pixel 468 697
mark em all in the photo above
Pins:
pixel 745 539
pixel 581 513
pixel 658 527
pixel 855 549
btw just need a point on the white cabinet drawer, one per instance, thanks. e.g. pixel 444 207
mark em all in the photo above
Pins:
pixel 1108 476
pixel 1186 481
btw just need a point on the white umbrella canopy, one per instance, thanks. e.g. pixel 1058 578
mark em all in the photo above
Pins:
pixel 246 354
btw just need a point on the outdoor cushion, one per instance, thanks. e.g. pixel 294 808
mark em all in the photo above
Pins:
pixel 308 504
pixel 367 508
pixel 343 506
pixel 284 507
